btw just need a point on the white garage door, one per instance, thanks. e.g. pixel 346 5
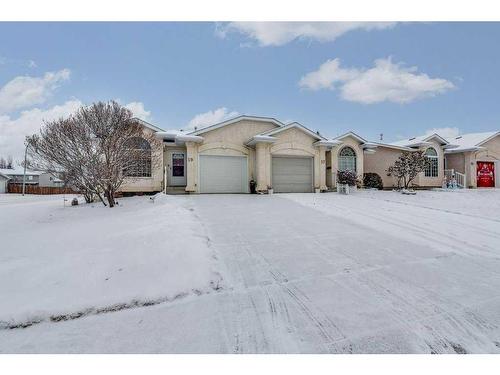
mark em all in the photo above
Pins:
pixel 292 175
pixel 3 185
pixel 223 174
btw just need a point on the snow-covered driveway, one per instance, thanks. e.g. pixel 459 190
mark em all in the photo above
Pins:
pixel 308 273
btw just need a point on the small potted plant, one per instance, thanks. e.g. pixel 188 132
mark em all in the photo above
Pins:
pixel 270 189
pixel 346 181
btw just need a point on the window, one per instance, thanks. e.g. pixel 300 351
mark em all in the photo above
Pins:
pixel 431 170
pixel 347 159
pixel 140 166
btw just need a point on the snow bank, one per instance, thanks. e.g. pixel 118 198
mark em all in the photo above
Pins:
pixel 63 260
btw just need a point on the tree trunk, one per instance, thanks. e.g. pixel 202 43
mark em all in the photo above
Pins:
pixel 110 196
pixel 101 199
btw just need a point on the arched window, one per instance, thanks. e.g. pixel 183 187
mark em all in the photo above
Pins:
pixel 347 159
pixel 431 170
pixel 140 154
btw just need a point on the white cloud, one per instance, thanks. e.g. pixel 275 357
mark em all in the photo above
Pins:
pixel 446 132
pixel 210 118
pixel 25 91
pixel 327 75
pixel 32 64
pixel 138 110
pixel 280 33
pixel 14 131
pixel 386 81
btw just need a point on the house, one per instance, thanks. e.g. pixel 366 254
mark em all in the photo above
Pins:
pixel 4 179
pixel 42 179
pixel 477 157
pixel 226 157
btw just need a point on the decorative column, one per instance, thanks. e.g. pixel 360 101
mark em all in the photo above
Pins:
pixel 322 168
pixel 335 165
pixel 261 160
pixel 192 167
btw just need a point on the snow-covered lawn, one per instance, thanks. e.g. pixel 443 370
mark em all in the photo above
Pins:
pixel 373 272
pixel 58 261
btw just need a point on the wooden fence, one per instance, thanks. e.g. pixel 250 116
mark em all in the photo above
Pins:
pixel 40 190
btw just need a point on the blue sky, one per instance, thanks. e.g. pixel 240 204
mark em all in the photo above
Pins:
pixel 428 75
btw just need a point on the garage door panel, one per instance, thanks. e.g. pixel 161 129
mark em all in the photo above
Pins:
pixel 292 174
pixel 223 174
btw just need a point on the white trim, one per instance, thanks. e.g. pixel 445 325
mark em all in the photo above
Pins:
pixel 373 145
pixel 234 120
pixel 453 151
pixel 488 139
pixel 327 143
pixel 147 124
pixel 170 162
pixel 353 135
pixel 435 135
pixel 261 138
pixel 294 125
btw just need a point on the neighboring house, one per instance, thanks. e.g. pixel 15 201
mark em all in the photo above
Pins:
pixel 225 157
pixel 42 179
pixel 434 147
pixel 3 183
pixel 477 156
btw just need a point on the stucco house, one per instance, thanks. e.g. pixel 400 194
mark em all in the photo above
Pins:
pixel 225 157
pixel 477 157
pixel 4 179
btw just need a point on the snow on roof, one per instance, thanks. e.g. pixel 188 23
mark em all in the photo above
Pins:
pixel 294 125
pixel 470 141
pixel 233 120
pixel 19 171
pixel 147 124
pixel 421 140
pixel 353 135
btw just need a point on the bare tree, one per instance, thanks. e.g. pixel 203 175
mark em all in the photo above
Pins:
pixel 407 167
pixel 96 149
pixel 7 163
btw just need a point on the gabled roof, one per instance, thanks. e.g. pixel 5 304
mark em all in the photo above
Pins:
pixel 421 140
pixel 19 171
pixel 294 125
pixel 234 120
pixel 353 135
pixel 471 141
pixel 147 124
pixel 4 176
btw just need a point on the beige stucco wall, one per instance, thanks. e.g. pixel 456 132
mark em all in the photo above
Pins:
pixel 148 184
pixel 455 161
pixel 334 160
pixel 423 181
pixel 379 162
pixel 229 140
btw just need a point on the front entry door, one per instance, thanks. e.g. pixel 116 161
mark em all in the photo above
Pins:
pixel 177 171
pixel 485 174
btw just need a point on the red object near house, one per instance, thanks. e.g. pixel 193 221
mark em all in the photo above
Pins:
pixel 485 174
